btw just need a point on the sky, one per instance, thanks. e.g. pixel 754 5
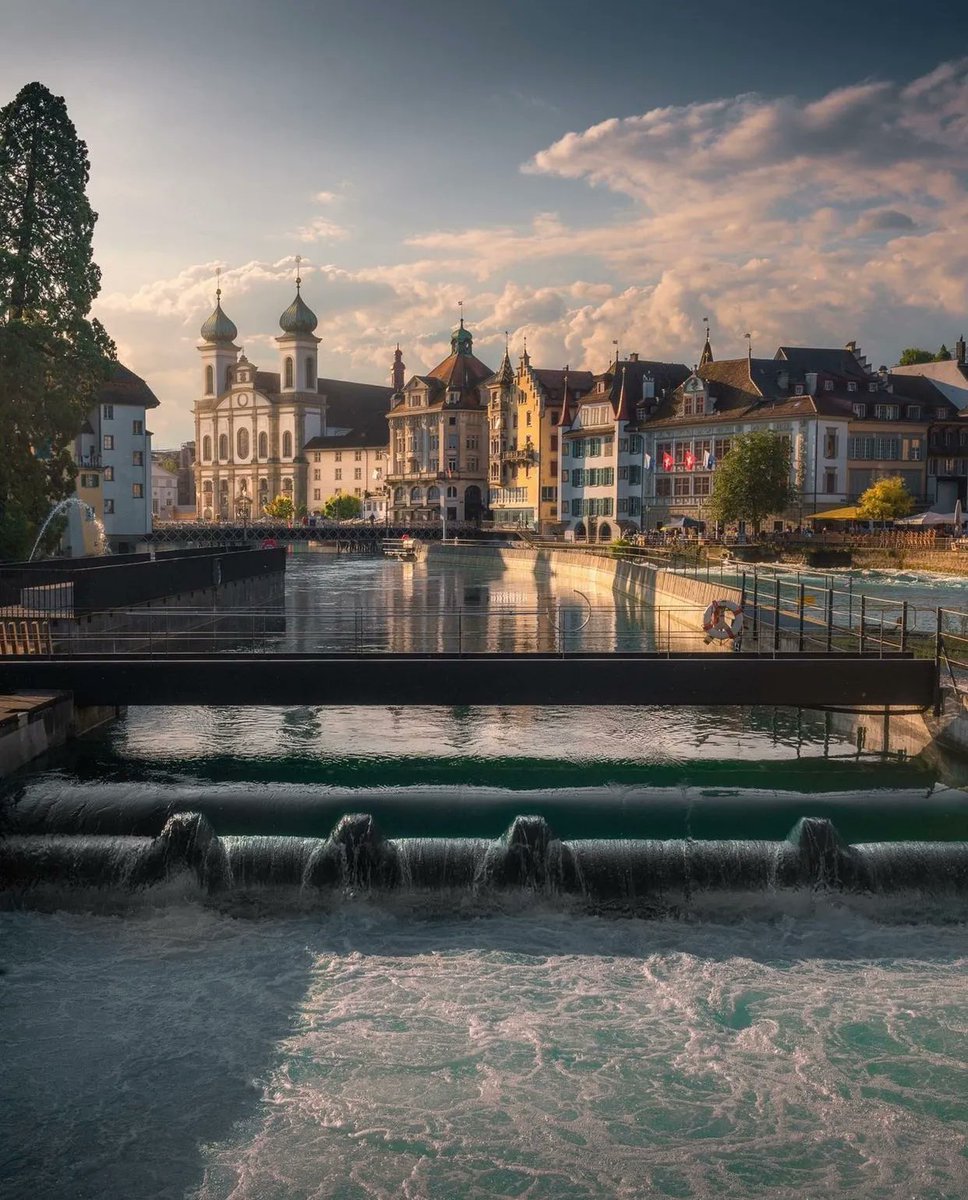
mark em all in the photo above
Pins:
pixel 578 174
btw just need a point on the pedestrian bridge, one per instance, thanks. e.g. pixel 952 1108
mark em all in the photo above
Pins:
pixel 831 680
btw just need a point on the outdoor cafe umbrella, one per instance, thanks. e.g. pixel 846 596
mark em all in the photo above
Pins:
pixel 932 518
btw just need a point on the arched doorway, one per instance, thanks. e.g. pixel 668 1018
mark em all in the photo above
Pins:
pixel 473 503
pixel 580 531
pixel 604 532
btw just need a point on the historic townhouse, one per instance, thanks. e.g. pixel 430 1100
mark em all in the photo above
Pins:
pixel 692 429
pixel 438 439
pixel 113 456
pixel 603 459
pixel 524 411
pixel 252 427
pixel 888 420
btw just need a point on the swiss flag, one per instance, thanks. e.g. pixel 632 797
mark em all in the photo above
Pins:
pixel 690 460
pixel 667 463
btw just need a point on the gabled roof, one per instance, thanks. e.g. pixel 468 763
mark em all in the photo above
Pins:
pixel 553 382
pixel 124 387
pixel 833 360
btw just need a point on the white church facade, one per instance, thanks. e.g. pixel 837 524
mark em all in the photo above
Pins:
pixel 253 428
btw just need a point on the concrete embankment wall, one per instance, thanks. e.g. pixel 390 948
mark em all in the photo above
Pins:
pixel 679 602
pixel 31 724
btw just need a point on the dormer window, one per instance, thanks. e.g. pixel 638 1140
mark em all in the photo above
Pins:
pixel 798 390
pixel 851 387
pixel 872 387
pixel 940 414
pixel 601 387
pixel 414 401
pixel 828 385
pixel 859 410
pixel 914 412
pixel 453 397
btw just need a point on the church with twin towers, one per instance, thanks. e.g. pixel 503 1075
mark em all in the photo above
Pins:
pixel 261 433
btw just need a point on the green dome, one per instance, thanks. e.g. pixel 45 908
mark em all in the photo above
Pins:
pixel 298 317
pixel 218 327
pixel 461 341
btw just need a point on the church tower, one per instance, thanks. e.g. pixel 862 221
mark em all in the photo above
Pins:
pixel 298 346
pixel 218 351
pixel 397 374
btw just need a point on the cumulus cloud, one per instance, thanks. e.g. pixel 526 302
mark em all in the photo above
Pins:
pixel 811 222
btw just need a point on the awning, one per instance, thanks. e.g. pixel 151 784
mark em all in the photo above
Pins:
pixel 850 513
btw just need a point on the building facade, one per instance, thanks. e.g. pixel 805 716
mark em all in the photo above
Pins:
pixel 603 459
pixel 524 411
pixel 437 469
pixel 252 427
pixel 113 457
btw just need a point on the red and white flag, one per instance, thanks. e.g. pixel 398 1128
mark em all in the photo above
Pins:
pixel 667 462
pixel 690 460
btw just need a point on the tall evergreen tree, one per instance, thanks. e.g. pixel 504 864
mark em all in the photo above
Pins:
pixel 53 358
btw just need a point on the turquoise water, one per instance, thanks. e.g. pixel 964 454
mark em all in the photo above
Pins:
pixel 166 1044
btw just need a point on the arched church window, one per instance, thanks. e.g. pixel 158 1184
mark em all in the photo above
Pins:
pixel 287 444
pixel 206 449
pixel 263 445
pixel 288 373
pixel 310 381
pixel 223 446
pixel 209 380
pixel 228 377
pixel 242 443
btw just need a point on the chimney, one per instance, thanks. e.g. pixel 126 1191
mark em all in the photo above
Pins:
pixel 960 351
pixel 633 357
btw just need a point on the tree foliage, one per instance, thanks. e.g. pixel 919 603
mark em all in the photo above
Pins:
pixel 341 508
pixel 914 355
pixel 281 508
pixel 753 480
pixel 885 499
pixel 53 358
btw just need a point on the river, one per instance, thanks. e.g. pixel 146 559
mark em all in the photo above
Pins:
pixel 168 1043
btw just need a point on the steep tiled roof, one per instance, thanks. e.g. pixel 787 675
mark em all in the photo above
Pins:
pixel 552 382
pixel 462 373
pixel 823 358
pixel 359 407
pixel 124 387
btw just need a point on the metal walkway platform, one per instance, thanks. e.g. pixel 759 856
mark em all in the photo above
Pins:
pixel 799 680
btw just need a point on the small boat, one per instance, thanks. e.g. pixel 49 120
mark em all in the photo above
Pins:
pixel 404 549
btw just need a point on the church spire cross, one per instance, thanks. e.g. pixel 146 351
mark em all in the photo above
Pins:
pixel 218 283
pixel 298 279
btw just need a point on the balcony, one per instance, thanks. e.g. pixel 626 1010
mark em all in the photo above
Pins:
pixel 89 462
pixel 520 456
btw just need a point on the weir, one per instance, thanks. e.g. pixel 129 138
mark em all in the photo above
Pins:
pixel 530 856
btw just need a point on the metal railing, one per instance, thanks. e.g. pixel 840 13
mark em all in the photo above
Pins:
pixel 777 623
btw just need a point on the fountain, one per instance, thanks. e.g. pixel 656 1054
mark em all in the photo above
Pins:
pixel 62 506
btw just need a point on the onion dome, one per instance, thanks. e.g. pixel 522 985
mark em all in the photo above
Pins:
pixel 218 328
pixel 298 317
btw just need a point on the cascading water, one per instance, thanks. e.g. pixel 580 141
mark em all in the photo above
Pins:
pixel 530 857
pixel 101 546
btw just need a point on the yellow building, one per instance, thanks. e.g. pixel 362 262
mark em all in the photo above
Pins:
pixel 524 408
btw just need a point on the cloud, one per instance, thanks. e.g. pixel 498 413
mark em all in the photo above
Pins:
pixel 814 222
pixel 320 229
